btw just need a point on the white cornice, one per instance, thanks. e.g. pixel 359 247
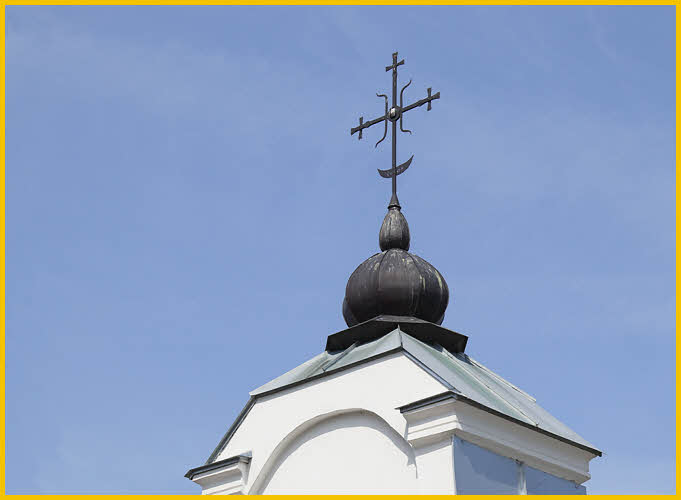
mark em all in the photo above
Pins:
pixel 446 417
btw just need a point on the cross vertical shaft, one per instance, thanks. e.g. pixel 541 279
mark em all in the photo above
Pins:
pixel 393 199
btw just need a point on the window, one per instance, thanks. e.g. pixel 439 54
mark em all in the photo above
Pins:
pixel 478 471
pixel 540 483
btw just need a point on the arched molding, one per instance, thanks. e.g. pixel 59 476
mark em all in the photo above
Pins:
pixel 319 425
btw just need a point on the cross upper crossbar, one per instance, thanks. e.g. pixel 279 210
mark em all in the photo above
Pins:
pixel 362 124
pixel 395 64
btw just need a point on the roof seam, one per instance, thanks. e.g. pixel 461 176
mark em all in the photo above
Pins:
pixel 501 379
pixel 505 400
pixel 338 358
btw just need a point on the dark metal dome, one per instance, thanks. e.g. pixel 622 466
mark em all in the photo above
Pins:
pixel 395 282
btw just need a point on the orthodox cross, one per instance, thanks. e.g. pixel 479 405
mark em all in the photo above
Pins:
pixel 392 115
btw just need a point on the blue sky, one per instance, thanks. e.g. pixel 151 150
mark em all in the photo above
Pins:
pixel 185 204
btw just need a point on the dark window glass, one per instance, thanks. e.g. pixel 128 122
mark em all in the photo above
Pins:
pixel 478 471
pixel 541 483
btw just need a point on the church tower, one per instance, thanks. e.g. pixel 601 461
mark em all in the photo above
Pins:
pixel 394 405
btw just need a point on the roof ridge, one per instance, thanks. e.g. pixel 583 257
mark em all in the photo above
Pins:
pixel 424 366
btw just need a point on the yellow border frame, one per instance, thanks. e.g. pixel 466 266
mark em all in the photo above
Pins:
pixel 334 2
pixel 301 2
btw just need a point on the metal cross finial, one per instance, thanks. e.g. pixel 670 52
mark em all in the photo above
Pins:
pixel 393 114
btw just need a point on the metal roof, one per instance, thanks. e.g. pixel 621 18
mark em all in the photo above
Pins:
pixel 329 362
pixel 460 373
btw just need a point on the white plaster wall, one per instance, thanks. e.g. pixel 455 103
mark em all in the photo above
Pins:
pixel 352 453
pixel 377 387
pixel 435 468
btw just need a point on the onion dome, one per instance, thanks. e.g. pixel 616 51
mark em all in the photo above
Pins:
pixel 395 282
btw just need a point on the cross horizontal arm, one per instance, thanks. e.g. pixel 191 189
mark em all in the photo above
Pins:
pixel 363 125
pixel 422 102
pixel 395 64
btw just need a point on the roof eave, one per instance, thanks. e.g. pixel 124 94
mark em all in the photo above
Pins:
pixel 192 473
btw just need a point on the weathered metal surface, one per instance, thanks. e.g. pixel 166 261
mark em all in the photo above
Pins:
pixel 394 114
pixel 395 282
pixel 394 231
